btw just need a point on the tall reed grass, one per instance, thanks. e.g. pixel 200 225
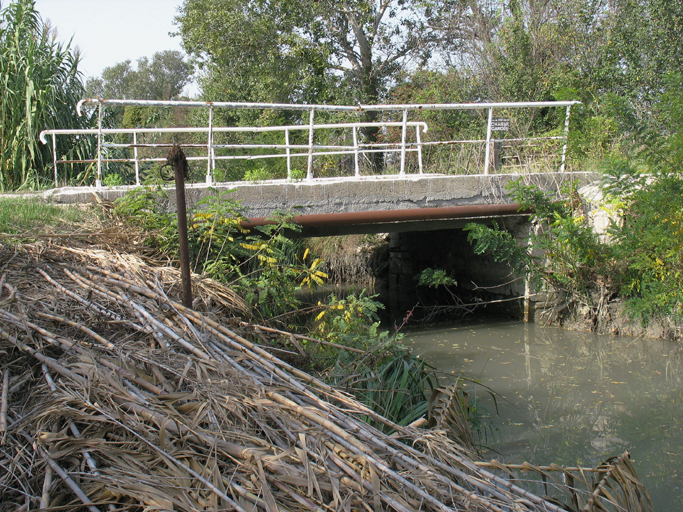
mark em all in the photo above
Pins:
pixel 40 85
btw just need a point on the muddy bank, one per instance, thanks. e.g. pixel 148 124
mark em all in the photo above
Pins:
pixel 614 319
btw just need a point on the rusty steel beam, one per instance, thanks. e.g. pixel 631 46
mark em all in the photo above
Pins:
pixel 390 216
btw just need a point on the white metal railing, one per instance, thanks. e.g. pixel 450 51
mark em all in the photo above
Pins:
pixel 288 150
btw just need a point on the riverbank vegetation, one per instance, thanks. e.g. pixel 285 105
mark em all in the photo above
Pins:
pixel 636 258
pixel 247 383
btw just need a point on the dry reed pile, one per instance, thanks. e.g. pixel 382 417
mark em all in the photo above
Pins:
pixel 116 397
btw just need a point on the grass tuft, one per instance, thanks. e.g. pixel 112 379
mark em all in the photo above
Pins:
pixel 35 215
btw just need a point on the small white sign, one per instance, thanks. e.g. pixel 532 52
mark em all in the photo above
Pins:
pixel 500 124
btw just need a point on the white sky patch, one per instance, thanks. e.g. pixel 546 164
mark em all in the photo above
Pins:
pixel 112 31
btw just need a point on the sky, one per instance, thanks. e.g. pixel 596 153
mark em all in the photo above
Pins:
pixel 111 31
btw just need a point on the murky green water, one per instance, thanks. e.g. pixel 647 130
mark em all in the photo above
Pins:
pixel 573 398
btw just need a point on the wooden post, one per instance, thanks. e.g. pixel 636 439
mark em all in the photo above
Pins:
pixel 176 159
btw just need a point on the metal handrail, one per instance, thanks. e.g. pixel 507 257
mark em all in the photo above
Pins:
pixel 311 149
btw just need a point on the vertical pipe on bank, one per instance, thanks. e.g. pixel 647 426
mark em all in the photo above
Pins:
pixel 176 158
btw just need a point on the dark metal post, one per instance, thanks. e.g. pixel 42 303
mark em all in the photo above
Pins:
pixel 176 159
pixel 497 155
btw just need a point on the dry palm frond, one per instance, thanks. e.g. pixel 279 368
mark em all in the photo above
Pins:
pixel 132 401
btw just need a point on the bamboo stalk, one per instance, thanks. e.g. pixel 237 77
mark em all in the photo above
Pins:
pixel 75 296
pixel 302 337
pixel 4 399
pixel 19 382
pixel 241 343
pixel 354 444
pixel 529 467
pixel 43 358
pixel 80 326
pixel 47 482
pixel 72 485
pixel 56 340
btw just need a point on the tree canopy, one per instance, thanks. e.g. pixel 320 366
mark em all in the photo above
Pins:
pixel 162 78
pixel 265 50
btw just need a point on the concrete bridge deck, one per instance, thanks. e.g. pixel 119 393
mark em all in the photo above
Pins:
pixel 375 204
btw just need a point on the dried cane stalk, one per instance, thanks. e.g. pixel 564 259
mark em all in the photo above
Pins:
pixel 4 405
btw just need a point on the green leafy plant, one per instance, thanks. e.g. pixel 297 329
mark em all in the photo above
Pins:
pixel 568 256
pixel 262 264
pixel 351 321
pixel 435 277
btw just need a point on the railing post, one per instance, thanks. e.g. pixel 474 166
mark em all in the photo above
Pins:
pixel 488 142
pixel 355 150
pixel 209 145
pixel 566 137
pixel 289 155
pixel 135 156
pixel 403 143
pixel 98 180
pixel 54 156
pixel 309 172
pixel 418 139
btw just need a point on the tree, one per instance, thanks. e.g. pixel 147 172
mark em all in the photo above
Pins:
pixel 41 85
pixel 316 52
pixel 646 44
pixel 161 79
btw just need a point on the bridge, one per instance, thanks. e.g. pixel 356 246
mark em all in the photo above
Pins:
pixel 431 179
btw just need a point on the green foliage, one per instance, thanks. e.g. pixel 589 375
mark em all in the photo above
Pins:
pixel 30 216
pixel 40 85
pixel 568 255
pixel 262 265
pixel 306 51
pixel 162 78
pixel 390 381
pixel 352 321
pixel 500 243
pixel 435 277
pixel 650 245
pixel 642 258
pixel 261 174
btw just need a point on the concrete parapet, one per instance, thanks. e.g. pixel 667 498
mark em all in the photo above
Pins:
pixel 342 195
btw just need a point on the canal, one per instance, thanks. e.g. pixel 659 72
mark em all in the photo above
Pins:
pixel 571 398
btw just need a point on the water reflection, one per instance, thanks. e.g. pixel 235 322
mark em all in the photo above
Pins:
pixel 573 398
